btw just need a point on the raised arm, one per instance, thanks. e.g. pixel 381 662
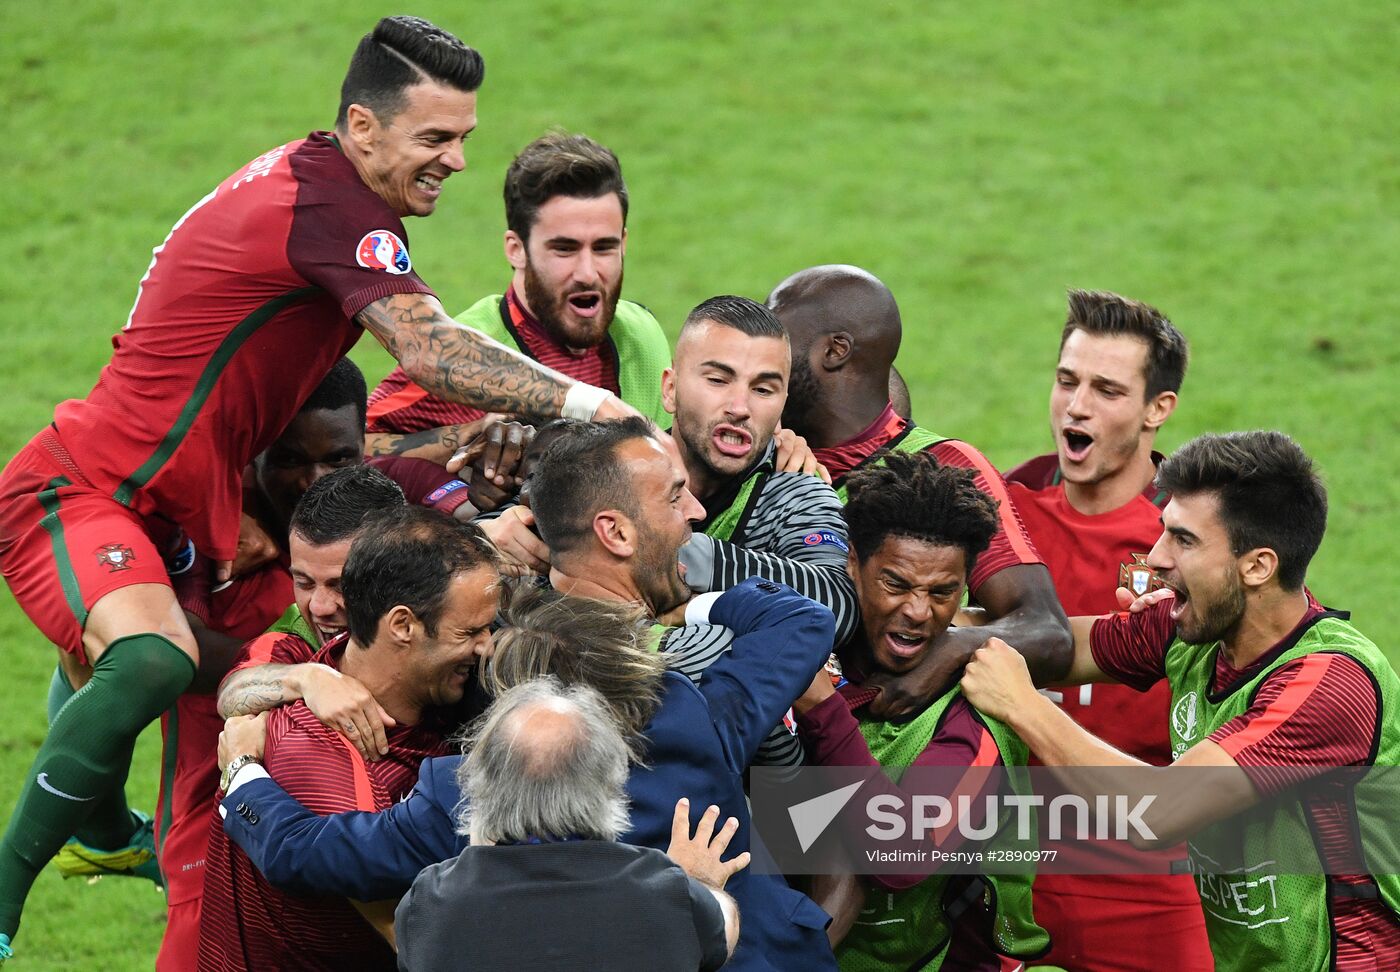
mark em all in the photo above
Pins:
pixel 463 365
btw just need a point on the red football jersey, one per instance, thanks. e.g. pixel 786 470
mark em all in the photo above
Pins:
pixel 399 405
pixel 268 269
pixel 246 923
pixel 1010 545
pixel 1089 557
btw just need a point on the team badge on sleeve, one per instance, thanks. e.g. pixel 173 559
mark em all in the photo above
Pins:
pixel 820 538
pixel 382 250
pixel 115 556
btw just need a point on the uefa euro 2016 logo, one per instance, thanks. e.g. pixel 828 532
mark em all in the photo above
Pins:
pixel 382 250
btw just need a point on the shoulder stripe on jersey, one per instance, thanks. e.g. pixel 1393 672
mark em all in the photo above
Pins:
pixel 1006 510
pixel 409 395
pixel 227 348
pixel 364 791
pixel 1295 693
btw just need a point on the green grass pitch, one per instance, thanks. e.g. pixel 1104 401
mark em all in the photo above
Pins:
pixel 1234 164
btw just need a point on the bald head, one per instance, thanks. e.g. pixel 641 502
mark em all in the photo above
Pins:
pixel 844 327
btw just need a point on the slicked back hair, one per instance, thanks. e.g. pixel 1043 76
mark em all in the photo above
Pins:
pixel 565 780
pixel 408 556
pixel 337 504
pixel 911 495
pixel 1269 494
pixel 559 164
pixel 743 315
pixel 399 53
pixel 606 645
pixel 580 474
pixel 1101 312
pixel 343 385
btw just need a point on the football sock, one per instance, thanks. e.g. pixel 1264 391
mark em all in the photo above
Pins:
pixel 111 824
pixel 86 755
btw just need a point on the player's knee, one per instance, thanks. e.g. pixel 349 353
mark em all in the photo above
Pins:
pixel 148 671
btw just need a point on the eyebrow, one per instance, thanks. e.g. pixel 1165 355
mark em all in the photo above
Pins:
pixel 1178 531
pixel 719 366
pixel 555 240
pixel 769 376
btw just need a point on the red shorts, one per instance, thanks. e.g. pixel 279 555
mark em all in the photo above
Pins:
pixel 179 948
pixel 64 544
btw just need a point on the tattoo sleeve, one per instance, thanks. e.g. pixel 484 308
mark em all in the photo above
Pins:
pixel 460 364
pixel 436 445
pixel 256 689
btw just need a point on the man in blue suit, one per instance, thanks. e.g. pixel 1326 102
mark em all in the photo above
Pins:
pixel 611 502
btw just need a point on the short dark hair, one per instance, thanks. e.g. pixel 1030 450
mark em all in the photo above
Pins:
pixel 911 495
pixel 559 164
pixel 1269 493
pixel 578 475
pixel 1101 312
pixel 337 504
pixel 744 315
pixel 343 385
pixel 399 53
pixel 408 556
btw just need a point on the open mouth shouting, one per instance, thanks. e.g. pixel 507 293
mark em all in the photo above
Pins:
pixel 585 303
pixel 732 441
pixel 1077 444
pixel 905 644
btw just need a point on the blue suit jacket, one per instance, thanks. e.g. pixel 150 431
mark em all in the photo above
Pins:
pixel 700 741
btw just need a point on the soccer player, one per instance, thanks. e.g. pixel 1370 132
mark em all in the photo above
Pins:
pixel 725 393
pixel 1269 688
pixel 916 530
pixel 322 525
pixel 258 289
pixel 421 591
pixel 1093 512
pixel 566 236
pixel 845 329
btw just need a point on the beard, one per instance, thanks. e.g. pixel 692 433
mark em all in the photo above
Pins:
pixel 803 394
pixel 550 308
pixel 658 573
pixel 1216 619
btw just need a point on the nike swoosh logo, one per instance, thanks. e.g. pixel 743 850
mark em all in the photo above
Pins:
pixel 43 780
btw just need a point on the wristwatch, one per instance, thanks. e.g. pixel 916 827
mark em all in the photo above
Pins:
pixel 235 764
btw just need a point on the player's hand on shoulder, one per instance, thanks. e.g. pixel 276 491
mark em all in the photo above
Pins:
pixel 244 735
pixel 1137 603
pixel 794 455
pixel 343 703
pixel 996 680
pixel 514 537
pixel 700 855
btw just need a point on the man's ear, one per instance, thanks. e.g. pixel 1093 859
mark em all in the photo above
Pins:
pixel 668 390
pixel 836 350
pixel 1160 409
pixel 361 126
pixel 516 253
pixel 1257 567
pixel 616 532
pixel 398 624
pixel 852 565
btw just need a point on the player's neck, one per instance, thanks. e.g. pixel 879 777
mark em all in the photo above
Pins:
pixel 1269 617
pixel 588 580
pixel 1108 494
pixel 834 420
pixel 702 481
pixel 378 670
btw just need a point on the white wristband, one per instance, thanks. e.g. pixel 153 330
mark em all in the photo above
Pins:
pixel 581 401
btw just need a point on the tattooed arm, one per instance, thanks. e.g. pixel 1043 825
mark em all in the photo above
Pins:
pixel 462 365
pixel 341 702
pixel 436 445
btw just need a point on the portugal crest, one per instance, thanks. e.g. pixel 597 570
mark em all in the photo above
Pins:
pixel 115 556
pixel 1137 577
